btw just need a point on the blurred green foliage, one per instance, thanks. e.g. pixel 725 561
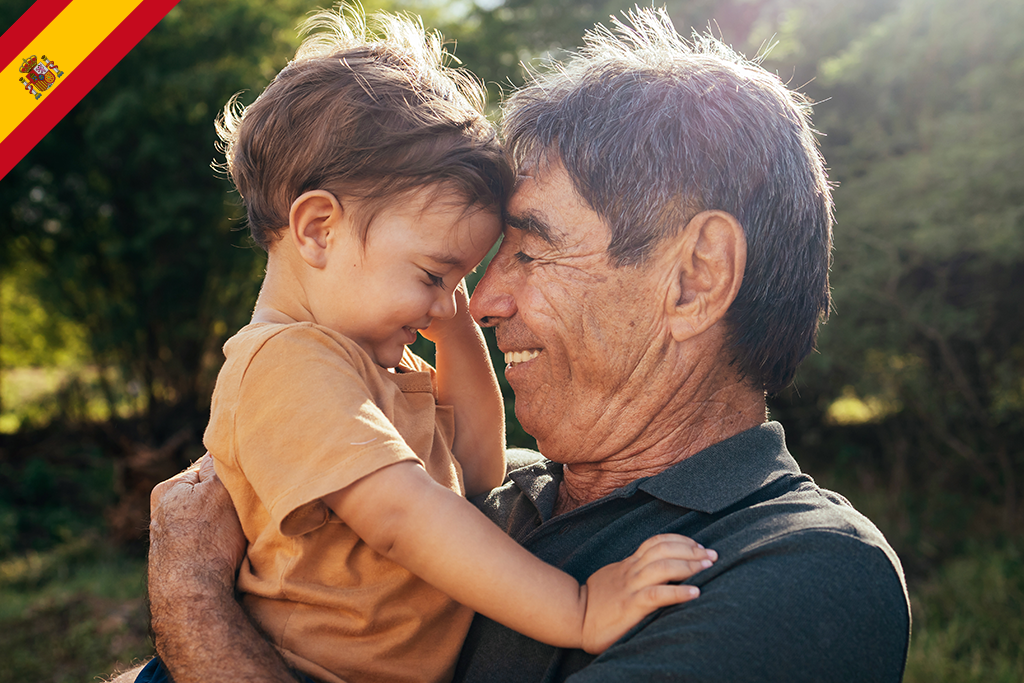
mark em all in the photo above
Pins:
pixel 34 335
pixel 56 492
pixel 129 233
pixel 924 131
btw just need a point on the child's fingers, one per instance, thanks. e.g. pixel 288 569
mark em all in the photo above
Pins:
pixel 654 597
pixel 661 539
pixel 665 571
pixel 667 546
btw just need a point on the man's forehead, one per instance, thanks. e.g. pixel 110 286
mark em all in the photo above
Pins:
pixel 531 208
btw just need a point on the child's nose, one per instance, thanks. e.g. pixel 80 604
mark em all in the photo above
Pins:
pixel 444 306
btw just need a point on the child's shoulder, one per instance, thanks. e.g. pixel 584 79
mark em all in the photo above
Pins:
pixel 295 341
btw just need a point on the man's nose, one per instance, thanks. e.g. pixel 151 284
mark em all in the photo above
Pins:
pixel 492 300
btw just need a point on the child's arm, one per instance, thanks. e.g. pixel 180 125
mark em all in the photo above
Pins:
pixel 466 381
pixel 400 512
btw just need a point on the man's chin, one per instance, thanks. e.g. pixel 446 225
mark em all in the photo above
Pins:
pixel 532 422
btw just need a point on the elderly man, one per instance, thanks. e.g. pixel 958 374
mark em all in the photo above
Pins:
pixel 664 265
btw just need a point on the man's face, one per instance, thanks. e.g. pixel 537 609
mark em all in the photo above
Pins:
pixel 582 339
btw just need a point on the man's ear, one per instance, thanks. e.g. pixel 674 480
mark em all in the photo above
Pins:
pixel 312 218
pixel 710 256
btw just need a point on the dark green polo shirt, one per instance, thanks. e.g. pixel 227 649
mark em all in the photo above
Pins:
pixel 805 588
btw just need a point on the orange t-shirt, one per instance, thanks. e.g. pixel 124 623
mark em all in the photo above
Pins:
pixel 299 412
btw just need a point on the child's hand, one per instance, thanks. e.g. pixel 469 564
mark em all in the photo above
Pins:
pixel 621 594
pixel 439 329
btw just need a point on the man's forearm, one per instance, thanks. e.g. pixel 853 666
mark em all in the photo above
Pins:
pixel 203 634
pixel 196 544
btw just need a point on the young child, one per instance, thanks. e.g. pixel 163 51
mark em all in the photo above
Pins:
pixel 375 183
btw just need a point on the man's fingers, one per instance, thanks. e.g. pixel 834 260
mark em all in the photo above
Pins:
pixel 193 502
pixel 205 467
pixel 188 477
pixel 199 471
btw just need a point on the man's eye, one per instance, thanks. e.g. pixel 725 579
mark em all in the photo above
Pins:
pixel 523 258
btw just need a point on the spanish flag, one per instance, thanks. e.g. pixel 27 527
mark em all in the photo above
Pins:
pixel 57 52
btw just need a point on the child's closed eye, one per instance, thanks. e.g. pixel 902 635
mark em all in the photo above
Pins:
pixel 435 280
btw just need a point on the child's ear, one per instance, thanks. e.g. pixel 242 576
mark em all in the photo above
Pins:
pixel 312 218
pixel 710 258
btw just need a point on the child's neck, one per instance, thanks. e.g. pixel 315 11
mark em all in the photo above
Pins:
pixel 265 314
pixel 282 298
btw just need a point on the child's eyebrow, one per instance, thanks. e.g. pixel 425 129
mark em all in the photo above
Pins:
pixel 447 258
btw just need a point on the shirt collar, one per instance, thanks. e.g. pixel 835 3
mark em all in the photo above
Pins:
pixel 726 472
pixel 539 481
pixel 708 481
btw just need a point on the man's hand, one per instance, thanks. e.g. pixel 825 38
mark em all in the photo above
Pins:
pixel 193 524
pixel 196 545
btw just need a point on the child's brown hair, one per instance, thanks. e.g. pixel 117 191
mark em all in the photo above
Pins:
pixel 365 117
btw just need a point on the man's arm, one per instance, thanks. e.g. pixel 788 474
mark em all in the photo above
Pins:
pixel 196 546
pixel 125 676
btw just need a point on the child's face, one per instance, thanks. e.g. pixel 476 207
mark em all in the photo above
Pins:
pixel 416 253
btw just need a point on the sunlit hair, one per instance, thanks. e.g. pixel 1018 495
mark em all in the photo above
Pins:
pixel 368 115
pixel 653 129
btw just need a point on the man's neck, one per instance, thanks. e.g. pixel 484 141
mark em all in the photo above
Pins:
pixel 729 412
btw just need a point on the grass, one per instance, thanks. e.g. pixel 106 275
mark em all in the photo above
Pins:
pixel 969 620
pixel 73 613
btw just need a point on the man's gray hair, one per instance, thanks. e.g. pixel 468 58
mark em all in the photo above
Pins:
pixel 653 129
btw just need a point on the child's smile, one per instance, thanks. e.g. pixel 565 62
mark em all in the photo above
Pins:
pixel 381 293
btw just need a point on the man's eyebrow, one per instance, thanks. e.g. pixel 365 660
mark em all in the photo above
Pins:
pixel 532 224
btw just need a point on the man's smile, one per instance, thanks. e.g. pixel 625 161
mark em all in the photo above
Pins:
pixel 516 357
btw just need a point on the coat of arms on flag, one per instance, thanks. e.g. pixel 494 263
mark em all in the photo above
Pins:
pixel 91 36
pixel 39 76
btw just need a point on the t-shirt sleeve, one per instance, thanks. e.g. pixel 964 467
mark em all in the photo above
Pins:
pixel 776 618
pixel 307 425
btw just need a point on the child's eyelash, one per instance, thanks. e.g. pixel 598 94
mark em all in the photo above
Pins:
pixel 435 280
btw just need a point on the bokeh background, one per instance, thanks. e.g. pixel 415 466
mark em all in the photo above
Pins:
pixel 124 265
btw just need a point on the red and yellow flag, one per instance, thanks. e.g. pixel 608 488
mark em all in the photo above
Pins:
pixel 56 53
